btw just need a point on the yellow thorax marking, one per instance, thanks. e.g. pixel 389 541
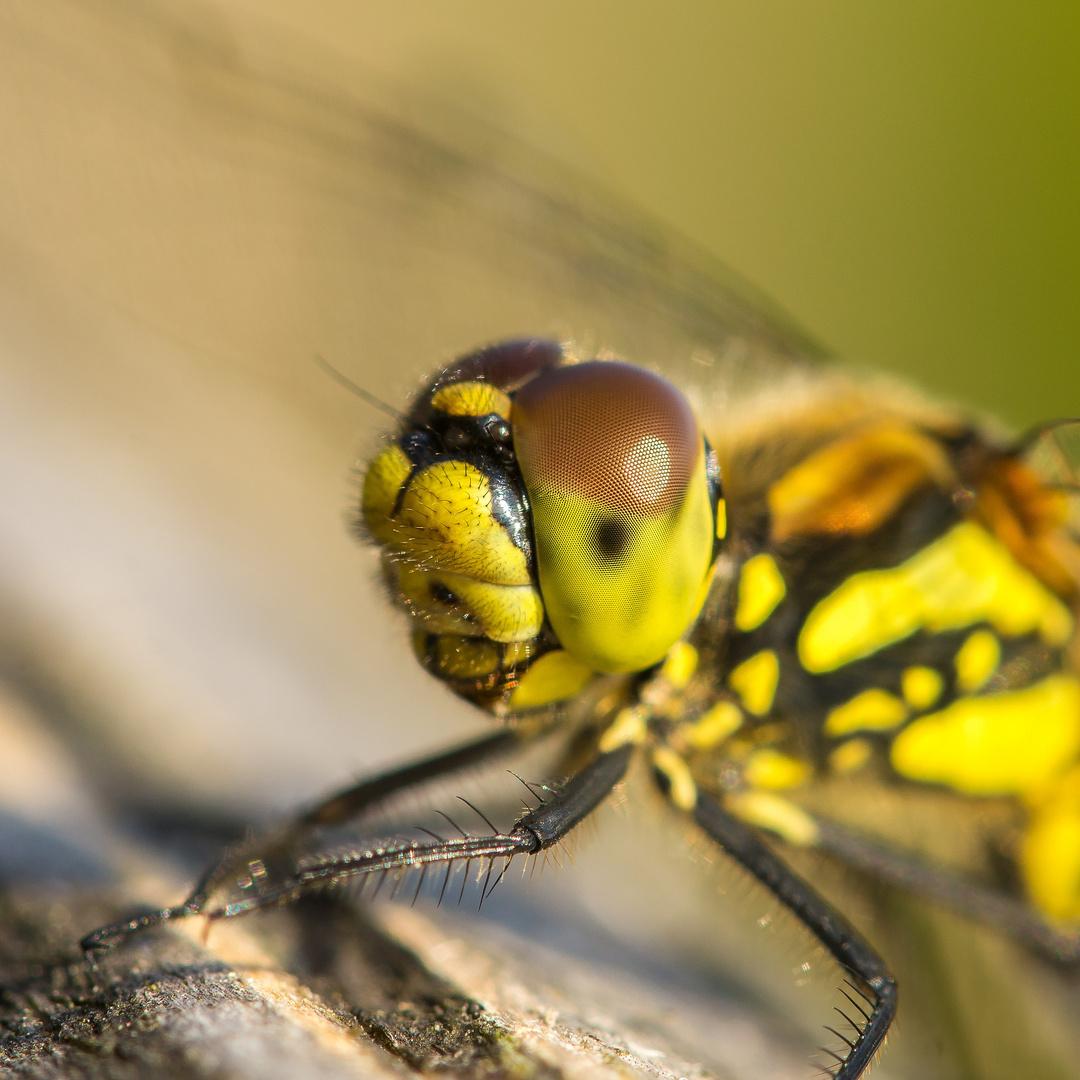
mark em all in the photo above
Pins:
pixel 755 681
pixel 872 710
pixel 682 790
pixel 850 756
pixel 921 686
pixel 998 744
pixel 761 588
pixel 471 399
pixel 711 729
pixel 976 660
pixel 964 577
pixel 555 676
pixel 775 813
pixel 855 484
pixel 679 665
pixel 721 519
pixel 770 769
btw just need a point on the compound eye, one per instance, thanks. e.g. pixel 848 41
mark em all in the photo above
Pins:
pixel 608 432
pixel 614 463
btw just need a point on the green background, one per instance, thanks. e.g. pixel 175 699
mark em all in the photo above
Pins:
pixel 903 178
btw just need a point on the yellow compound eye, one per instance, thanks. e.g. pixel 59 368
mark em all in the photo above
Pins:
pixel 614 464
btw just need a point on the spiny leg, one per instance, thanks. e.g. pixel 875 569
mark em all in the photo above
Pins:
pixel 217 896
pixel 540 828
pixel 842 940
pixel 251 867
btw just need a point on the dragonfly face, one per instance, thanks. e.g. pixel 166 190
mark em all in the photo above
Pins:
pixel 542 538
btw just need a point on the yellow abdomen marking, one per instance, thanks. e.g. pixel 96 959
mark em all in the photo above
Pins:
pixel 872 710
pixel 755 681
pixel 1050 856
pixel 921 686
pixel 976 660
pixel 999 744
pixel 761 588
pixel 965 577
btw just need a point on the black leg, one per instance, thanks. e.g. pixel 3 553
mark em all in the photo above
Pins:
pixel 258 863
pixel 969 898
pixel 541 828
pixel 223 894
pixel 842 940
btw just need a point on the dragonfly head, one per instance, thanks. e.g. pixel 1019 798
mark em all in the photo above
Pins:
pixel 543 520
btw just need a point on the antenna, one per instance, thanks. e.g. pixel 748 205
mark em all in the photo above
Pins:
pixel 359 391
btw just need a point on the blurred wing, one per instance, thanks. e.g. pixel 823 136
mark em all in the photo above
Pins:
pixel 1053 451
pixel 193 208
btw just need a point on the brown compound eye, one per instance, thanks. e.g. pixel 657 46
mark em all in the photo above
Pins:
pixel 614 464
pixel 610 432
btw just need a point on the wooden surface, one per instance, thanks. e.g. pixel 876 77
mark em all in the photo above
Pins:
pixel 325 988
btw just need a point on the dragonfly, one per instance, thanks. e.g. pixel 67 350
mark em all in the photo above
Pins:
pixel 384 219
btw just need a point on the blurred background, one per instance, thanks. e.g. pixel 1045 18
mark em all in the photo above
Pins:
pixel 198 197
pixel 902 178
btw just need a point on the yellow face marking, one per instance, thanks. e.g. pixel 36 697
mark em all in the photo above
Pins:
pixel 460 657
pixel 775 813
pixel 471 399
pixel 999 744
pixel 517 652
pixel 1050 855
pixel 556 676
pixel 386 474
pixel 769 769
pixel 679 665
pixel 445 519
pixel 711 729
pixel 761 588
pixel 755 681
pixel 721 519
pixel 921 686
pixel 682 790
pixel 456 604
pixel 964 577
pixel 976 660
pixel 850 756
pixel 872 710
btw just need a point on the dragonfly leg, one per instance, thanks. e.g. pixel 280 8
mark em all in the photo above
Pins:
pixel 543 827
pixel 844 942
pixel 278 847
